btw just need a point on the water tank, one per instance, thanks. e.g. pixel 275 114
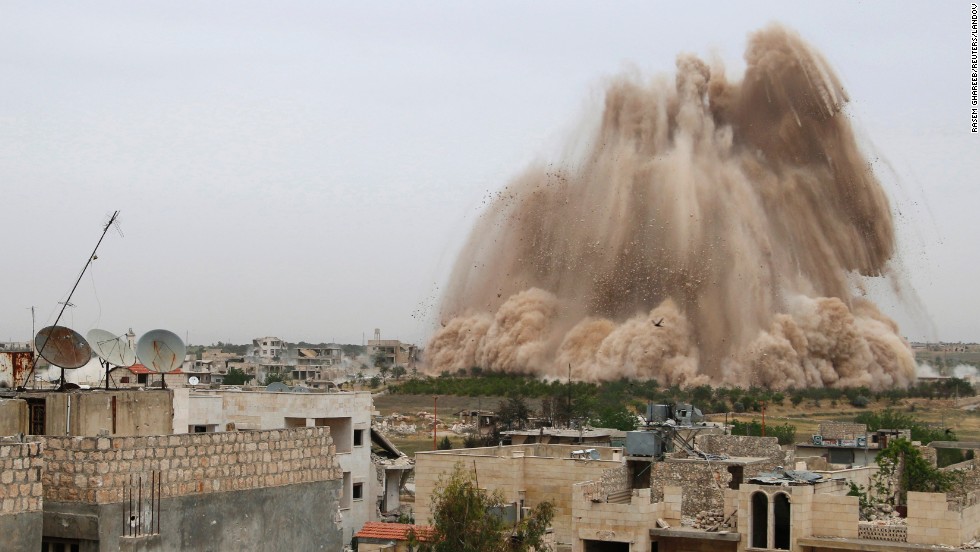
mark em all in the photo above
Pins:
pixel 644 443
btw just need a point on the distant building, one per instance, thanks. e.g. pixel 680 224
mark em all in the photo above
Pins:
pixel 393 351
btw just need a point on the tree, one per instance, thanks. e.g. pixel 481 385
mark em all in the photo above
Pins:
pixel 617 418
pixel 901 463
pixel 374 382
pixel 273 377
pixel 398 371
pixel 466 518
pixel 383 369
pixel 513 412
pixel 236 376
pixel 445 444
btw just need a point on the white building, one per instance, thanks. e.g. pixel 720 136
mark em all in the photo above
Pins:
pixel 347 414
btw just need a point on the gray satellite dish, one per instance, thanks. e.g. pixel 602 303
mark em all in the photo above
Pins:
pixel 161 351
pixel 193 380
pixel 63 347
pixel 114 350
pixel 277 387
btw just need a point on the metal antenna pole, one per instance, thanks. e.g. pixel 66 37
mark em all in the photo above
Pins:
pixel 67 301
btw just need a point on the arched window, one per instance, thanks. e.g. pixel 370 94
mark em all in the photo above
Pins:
pixel 760 520
pixel 781 521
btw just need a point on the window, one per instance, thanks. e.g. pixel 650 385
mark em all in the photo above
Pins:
pixel 49 544
pixel 358 437
pixel 760 520
pixel 358 491
pixel 781 521
pixel 345 493
pixel 36 411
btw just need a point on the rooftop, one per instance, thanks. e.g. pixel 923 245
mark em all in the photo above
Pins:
pixel 393 531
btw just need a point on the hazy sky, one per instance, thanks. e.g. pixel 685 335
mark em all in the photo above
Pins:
pixel 309 169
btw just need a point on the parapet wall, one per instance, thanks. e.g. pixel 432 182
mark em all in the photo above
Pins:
pixel 746 446
pixel 20 478
pixel 99 470
pixel 21 517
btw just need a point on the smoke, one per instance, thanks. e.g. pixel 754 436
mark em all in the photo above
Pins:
pixel 712 231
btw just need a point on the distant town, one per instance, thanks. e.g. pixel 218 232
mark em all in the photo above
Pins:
pixel 324 446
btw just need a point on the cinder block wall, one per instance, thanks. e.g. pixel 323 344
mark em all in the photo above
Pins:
pixel 98 470
pixel 834 516
pixel 931 522
pixel 21 495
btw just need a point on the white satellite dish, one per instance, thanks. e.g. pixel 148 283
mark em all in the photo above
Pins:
pixel 193 380
pixel 161 351
pixel 114 350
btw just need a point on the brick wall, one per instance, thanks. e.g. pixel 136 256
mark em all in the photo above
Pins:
pixel 20 484
pixel 704 483
pixel 98 470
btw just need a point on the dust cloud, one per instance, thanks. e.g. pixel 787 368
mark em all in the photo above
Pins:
pixel 713 231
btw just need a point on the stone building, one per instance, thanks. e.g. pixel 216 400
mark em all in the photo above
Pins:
pixel 526 475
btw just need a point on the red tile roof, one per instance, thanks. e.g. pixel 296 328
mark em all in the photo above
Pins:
pixel 393 531
pixel 140 369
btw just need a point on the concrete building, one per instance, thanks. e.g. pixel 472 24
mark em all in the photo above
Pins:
pixel 101 471
pixel 394 352
pixel 367 491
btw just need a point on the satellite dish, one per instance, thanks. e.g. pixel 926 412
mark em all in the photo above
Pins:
pixel 161 350
pixel 63 347
pixel 193 380
pixel 277 387
pixel 112 348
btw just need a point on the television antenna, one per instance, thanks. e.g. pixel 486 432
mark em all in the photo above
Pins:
pixel 63 347
pixel 113 350
pixel 64 304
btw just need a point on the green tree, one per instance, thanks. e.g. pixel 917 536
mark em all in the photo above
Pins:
pixel 902 463
pixel 236 376
pixel 398 371
pixel 273 377
pixel 383 370
pixel 374 382
pixel 445 444
pixel 617 418
pixel 465 519
pixel 513 412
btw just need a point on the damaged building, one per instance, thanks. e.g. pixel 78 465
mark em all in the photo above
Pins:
pixel 690 487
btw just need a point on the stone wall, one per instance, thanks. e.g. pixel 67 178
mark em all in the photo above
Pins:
pixel 747 446
pixel 703 482
pixel 842 430
pixel 21 495
pixel 99 469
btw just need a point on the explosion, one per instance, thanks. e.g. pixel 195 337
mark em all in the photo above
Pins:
pixel 712 232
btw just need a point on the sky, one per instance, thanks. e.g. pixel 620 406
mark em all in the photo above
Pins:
pixel 309 170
